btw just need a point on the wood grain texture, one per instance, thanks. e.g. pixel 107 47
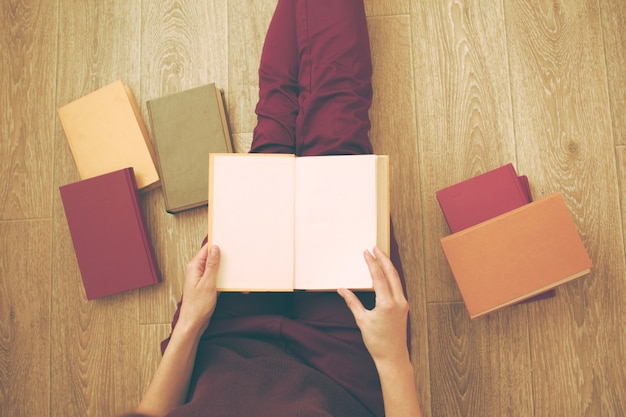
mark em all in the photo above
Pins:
pixel 386 8
pixel 463 110
pixel 150 337
pixel 95 356
pixel 621 170
pixel 614 34
pixel 538 83
pixel 393 133
pixel 481 367
pixel 564 140
pixel 242 142
pixel 94 353
pixel 27 65
pixel 24 318
pixel 248 21
pixel 184 44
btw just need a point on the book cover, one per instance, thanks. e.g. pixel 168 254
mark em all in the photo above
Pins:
pixel 106 133
pixel 483 197
pixel 516 255
pixel 285 222
pixel 109 234
pixel 186 127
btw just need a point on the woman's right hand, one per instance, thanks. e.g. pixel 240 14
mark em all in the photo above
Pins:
pixel 384 328
pixel 384 333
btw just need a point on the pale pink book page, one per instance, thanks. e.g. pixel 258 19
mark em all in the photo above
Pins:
pixel 252 221
pixel 335 221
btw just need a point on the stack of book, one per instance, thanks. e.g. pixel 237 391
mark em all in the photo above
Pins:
pixel 116 160
pixel 505 248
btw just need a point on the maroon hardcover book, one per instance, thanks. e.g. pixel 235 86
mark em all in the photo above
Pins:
pixel 109 234
pixel 484 197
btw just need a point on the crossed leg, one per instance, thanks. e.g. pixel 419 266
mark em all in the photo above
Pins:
pixel 315 80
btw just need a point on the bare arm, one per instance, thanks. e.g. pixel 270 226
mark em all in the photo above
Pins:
pixel 384 334
pixel 170 383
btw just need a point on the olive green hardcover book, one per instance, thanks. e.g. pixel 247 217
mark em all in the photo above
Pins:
pixel 186 127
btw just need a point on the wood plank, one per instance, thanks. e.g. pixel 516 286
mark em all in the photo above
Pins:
pixel 563 125
pixel 614 32
pixel 94 354
pixel 27 75
pixel 24 317
pixel 242 142
pixel 386 8
pixel 394 133
pixel 248 21
pixel 150 337
pixel 480 367
pixel 183 45
pixel 621 168
pixel 463 111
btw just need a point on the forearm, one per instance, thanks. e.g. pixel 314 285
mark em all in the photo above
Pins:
pixel 170 383
pixel 398 386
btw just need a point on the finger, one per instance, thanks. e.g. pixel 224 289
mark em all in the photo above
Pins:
pixel 353 303
pixel 213 259
pixel 379 282
pixel 390 272
pixel 197 263
pixel 211 265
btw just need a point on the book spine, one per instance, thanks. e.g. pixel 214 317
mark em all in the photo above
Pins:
pixel 141 221
pixel 221 105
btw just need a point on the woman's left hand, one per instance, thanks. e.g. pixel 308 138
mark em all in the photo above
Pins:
pixel 199 291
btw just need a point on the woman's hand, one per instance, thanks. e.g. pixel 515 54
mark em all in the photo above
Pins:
pixel 384 334
pixel 170 383
pixel 199 291
pixel 384 328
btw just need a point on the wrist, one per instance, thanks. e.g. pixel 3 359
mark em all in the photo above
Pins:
pixel 188 329
pixel 394 364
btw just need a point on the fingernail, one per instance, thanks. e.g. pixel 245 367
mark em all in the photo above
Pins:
pixel 214 251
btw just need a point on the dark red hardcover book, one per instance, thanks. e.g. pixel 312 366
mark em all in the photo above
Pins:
pixel 484 197
pixel 109 234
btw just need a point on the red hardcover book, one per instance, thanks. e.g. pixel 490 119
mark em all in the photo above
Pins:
pixel 484 197
pixel 109 234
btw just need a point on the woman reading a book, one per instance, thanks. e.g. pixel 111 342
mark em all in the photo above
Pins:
pixel 306 354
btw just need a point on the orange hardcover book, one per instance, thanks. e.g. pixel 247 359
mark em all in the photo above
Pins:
pixel 516 255
pixel 106 133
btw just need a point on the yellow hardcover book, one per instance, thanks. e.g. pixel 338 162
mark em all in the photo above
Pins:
pixel 106 133
pixel 287 223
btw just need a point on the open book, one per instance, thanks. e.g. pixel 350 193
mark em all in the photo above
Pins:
pixel 287 223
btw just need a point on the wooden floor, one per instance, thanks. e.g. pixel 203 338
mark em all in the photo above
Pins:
pixel 461 87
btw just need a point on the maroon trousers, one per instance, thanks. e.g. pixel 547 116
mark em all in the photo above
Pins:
pixel 315 93
pixel 315 80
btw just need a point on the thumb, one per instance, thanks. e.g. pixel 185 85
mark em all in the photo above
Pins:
pixel 212 260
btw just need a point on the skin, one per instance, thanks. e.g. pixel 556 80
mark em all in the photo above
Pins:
pixel 384 333
pixel 383 329
pixel 170 383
